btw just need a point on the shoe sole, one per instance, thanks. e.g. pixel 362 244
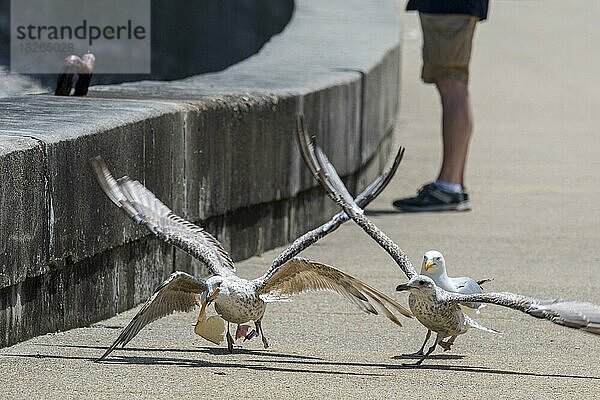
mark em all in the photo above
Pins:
pixel 463 206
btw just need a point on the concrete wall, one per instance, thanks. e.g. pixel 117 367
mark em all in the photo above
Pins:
pixel 218 148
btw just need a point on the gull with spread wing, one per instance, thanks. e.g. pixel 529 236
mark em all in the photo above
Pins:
pixel 236 300
pixel 434 266
pixel 440 310
pixel 437 309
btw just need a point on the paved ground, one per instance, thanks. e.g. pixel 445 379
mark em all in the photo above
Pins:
pixel 534 178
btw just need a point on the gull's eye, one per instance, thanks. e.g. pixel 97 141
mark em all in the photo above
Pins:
pixel 421 283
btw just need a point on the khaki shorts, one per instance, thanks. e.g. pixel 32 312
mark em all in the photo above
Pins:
pixel 447 42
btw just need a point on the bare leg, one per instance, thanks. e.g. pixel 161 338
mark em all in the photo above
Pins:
pixel 230 340
pixel 262 335
pixel 457 126
pixel 438 339
pixel 64 82
pixel 447 345
pixel 420 352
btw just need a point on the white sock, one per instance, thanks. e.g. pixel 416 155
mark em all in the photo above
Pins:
pixel 448 186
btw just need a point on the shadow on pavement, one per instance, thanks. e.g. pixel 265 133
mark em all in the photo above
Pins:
pixel 387 211
pixel 456 368
pixel 268 359
pixel 216 351
pixel 183 362
pixel 430 357
pixel 485 370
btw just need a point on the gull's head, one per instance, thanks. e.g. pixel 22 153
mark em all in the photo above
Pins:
pixel 418 284
pixel 213 289
pixel 433 263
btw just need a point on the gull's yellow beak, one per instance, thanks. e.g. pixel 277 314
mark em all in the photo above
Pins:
pixel 212 328
pixel 428 264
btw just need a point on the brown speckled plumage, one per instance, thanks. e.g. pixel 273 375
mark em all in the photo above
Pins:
pixel 440 310
pixel 236 300
pixel 437 309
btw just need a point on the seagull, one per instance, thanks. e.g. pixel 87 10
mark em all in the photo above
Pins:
pixel 437 309
pixel 440 311
pixel 434 266
pixel 236 300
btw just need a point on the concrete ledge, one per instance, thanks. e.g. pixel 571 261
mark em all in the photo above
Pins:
pixel 218 148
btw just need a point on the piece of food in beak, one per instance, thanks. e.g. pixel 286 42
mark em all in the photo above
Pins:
pixel 212 328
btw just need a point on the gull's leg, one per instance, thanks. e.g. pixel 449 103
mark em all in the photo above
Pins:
pixel 420 352
pixel 447 345
pixel 230 340
pixel 262 335
pixel 438 339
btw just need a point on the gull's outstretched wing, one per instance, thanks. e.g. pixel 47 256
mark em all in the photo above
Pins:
pixel 301 275
pixel 572 314
pixel 143 207
pixel 328 177
pixel 180 292
pixel 362 200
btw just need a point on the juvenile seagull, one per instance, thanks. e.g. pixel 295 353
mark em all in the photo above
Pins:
pixel 236 300
pixel 440 311
pixel 434 266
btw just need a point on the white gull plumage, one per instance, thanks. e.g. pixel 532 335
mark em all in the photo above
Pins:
pixel 236 299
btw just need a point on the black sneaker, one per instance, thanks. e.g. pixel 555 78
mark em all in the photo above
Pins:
pixel 432 198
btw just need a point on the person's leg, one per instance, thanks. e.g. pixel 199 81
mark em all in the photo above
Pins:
pixel 457 126
pixel 447 43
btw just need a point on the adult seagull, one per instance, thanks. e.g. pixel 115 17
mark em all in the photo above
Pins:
pixel 434 266
pixel 437 309
pixel 236 300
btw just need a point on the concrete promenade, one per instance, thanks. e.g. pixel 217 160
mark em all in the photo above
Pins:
pixel 534 177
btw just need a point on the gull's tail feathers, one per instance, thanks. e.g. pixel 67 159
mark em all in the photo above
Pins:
pixel 474 324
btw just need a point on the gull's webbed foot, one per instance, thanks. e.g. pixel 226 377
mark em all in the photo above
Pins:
pixel 420 353
pixel 415 354
pixel 241 331
pixel 447 345
pixel 265 342
pixel 438 339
